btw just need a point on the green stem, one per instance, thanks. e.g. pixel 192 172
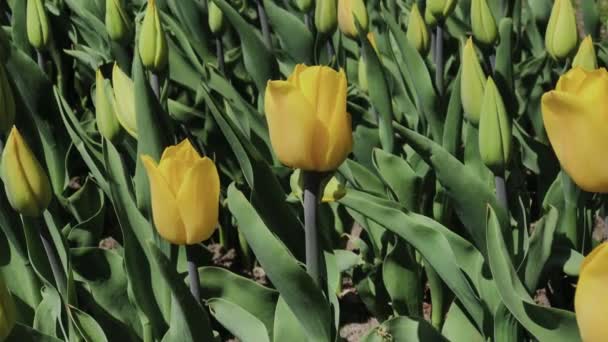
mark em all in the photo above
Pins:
pixel 439 58
pixel 193 277
pixel 155 84
pixel 312 182
pixel 501 192
pixel 264 24
pixel 53 257
pixel 219 49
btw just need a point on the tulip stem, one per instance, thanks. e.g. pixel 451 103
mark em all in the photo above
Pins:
pixel 41 60
pixel 501 191
pixel 264 24
pixel 330 49
pixel 195 288
pixel 308 21
pixel 219 50
pixel 312 182
pixel 155 84
pixel 439 58
pixel 53 257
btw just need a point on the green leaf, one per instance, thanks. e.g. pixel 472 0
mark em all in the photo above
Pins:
pixel 539 251
pixel 296 39
pixel 506 327
pixel 404 329
pixel 402 279
pixel 259 61
pixel 458 326
pixel 399 176
pixel 298 289
pixel 23 333
pixel 286 324
pixel 87 327
pixel 239 322
pixel 544 323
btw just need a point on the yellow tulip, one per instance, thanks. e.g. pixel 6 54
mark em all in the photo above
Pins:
pixel 7 311
pixel 585 57
pixel 561 35
pixel 26 183
pixel 215 19
pixel 417 33
pixel 37 24
pixel 326 17
pixel 185 190
pixel 117 22
pixel 472 83
pixel 152 44
pixel 575 121
pixel 590 301
pixel 440 9
pixel 124 101
pixel 309 126
pixel 107 123
pixel 483 23
pixel 348 10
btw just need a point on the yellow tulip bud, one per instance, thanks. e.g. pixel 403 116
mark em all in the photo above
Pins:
pixel 116 20
pixel 417 33
pixel 472 83
pixel 307 119
pixel 575 121
pixel 585 57
pixel 7 103
pixel 326 19
pixel 185 190
pixel 303 5
pixel 440 9
pixel 483 23
pixel 107 123
pixel 429 18
pixel 26 183
pixel 590 301
pixel 561 35
pixel 38 29
pixel 216 19
pixel 124 101
pixel 494 130
pixel 347 11
pixel 7 311
pixel 152 41
pixel 362 71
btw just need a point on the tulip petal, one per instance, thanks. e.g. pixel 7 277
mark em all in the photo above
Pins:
pixel 173 171
pixel 198 200
pixel 577 130
pixel 164 205
pixel 590 303
pixel 571 81
pixel 291 123
pixel 183 151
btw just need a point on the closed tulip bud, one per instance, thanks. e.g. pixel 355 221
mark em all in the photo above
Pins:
pixel 7 311
pixel 185 190
pixel 585 57
pixel 348 10
pixel 429 18
pixel 590 301
pixel 326 17
pixel 107 123
pixel 575 121
pixel 362 69
pixel 417 33
pixel 472 83
pixel 561 35
pixel 26 183
pixel 217 24
pixel 303 5
pixel 117 21
pixel 440 9
pixel 152 41
pixel 494 130
pixel 309 126
pixel 483 23
pixel 38 29
pixel 124 101
pixel 7 103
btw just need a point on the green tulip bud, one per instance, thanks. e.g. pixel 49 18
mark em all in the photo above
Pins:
pixel 494 130
pixel 152 42
pixel 483 23
pixel 7 103
pixel 585 57
pixel 429 18
pixel 561 35
pixel 107 123
pixel 117 21
pixel 7 311
pixel 472 83
pixel 326 18
pixel 348 10
pixel 124 101
pixel 362 67
pixel 440 9
pixel 38 29
pixel 303 5
pixel 417 33
pixel 216 19
pixel 26 183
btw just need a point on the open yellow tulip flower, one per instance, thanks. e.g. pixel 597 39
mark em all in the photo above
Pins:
pixel 185 191
pixel 309 126
pixel 590 300
pixel 576 122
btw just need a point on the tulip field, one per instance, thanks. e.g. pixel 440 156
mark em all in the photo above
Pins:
pixel 303 170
